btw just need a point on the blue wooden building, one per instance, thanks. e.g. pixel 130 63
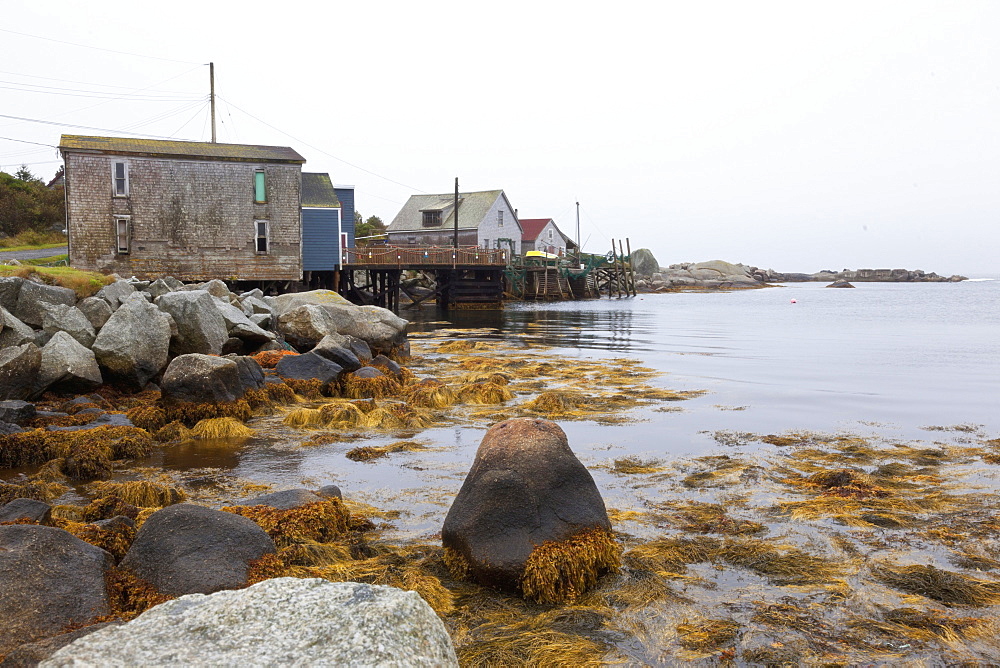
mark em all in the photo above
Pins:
pixel 327 227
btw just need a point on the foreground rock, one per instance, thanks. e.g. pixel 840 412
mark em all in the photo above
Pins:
pixel 188 549
pixel 529 517
pixel 18 370
pixel 49 579
pixel 304 318
pixel 285 621
pixel 198 378
pixel 134 344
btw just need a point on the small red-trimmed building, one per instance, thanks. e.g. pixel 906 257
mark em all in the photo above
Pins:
pixel 542 234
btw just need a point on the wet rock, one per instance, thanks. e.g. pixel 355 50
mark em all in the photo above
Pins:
pixel 16 411
pixel 525 487
pixel 360 348
pixel 115 294
pixel 34 297
pixel 49 579
pixel 97 311
pixel 14 332
pixel 330 491
pixel 105 420
pixel 250 372
pixel 9 428
pixel 67 366
pixel 284 500
pixel 200 326
pixel 332 348
pixel 133 345
pixel 283 621
pixel 202 379
pixel 32 654
pixel 308 365
pixel 19 370
pixel 188 549
pixel 841 283
pixel 383 362
pixel 367 373
pixel 26 509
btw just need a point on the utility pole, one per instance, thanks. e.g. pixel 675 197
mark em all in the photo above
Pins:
pixel 579 241
pixel 211 96
pixel 456 213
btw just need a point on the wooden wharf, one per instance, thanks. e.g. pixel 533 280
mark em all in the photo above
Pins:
pixel 473 277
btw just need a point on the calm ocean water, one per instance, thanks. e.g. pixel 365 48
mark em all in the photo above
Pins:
pixel 882 359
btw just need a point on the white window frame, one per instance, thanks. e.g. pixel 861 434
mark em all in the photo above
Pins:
pixel 500 218
pixel 123 235
pixel 114 178
pixel 257 236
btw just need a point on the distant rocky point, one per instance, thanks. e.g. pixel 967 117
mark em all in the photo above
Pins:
pixel 721 275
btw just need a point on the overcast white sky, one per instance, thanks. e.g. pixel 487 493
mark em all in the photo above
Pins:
pixel 794 135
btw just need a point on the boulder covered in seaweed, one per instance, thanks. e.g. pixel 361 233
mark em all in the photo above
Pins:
pixel 276 622
pixel 200 379
pixel 48 580
pixel 308 366
pixel 32 510
pixel 529 517
pixel 189 549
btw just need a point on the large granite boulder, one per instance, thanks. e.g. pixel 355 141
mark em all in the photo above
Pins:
pixel 200 326
pixel 278 622
pixel 97 311
pixel 251 374
pixel 189 549
pixel 10 289
pixel 26 509
pixel 305 326
pixel 202 379
pixel 382 329
pixel 49 580
pixel 643 263
pixel 34 297
pixel 133 346
pixel 69 319
pixel 115 294
pixel 67 366
pixel 14 332
pixel 239 325
pixel 19 370
pixel 334 347
pixel 526 489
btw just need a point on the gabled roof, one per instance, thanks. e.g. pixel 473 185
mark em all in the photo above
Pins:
pixel 533 227
pixel 169 148
pixel 472 209
pixel 318 191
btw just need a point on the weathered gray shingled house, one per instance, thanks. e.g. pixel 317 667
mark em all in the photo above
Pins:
pixel 192 210
pixel 483 218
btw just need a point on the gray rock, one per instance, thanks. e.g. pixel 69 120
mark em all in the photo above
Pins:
pixel 9 428
pixel 840 284
pixel 380 328
pixel 284 500
pixel 202 379
pixel 257 305
pixel 173 283
pixel 69 319
pixel 158 288
pixel 26 509
pixel 643 262
pixel 14 331
pixel 283 621
pixel 306 366
pixel 41 337
pixel 15 411
pixel 368 372
pixel 201 328
pixel 216 288
pixel 240 326
pixel 49 579
pixel 97 311
pixel 133 345
pixel 67 366
pixel 262 320
pixel 33 297
pixel 31 654
pixel 18 370
pixel 105 420
pixel 188 549
pixel 332 348
pixel 250 372
pixel 10 289
pixel 116 293
pixel 330 491
pixel 304 326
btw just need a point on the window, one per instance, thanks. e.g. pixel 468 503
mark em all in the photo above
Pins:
pixel 500 218
pixel 262 239
pixel 119 178
pixel 411 240
pixel 343 240
pixel 486 243
pixel 122 225
pixel 260 192
pixel 432 218
pixel 550 234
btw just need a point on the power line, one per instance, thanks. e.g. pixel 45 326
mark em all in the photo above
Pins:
pixel 93 83
pixel 315 148
pixel 98 48
pixel 24 141
pixel 101 95
pixel 82 127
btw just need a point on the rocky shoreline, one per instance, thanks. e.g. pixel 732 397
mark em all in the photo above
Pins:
pixel 721 275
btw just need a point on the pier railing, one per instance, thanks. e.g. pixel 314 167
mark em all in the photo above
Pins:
pixel 425 256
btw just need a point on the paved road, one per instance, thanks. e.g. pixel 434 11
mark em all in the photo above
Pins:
pixel 32 254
